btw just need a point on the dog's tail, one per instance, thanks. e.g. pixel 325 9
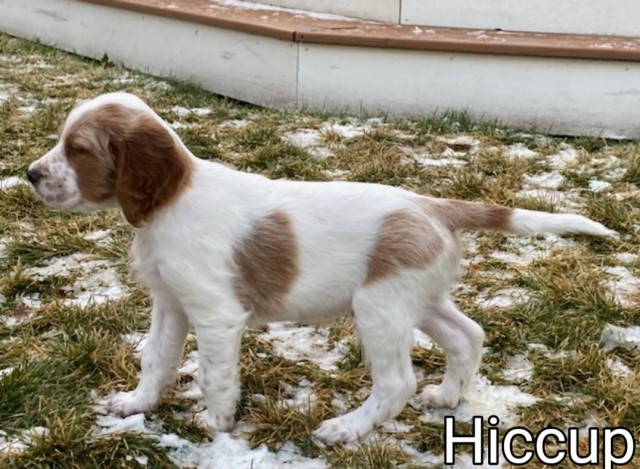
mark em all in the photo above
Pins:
pixel 461 215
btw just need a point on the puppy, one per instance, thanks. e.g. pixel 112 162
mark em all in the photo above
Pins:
pixel 220 249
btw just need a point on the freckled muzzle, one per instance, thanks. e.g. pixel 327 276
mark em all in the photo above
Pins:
pixel 53 180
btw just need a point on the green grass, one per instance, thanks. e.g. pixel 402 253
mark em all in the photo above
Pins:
pixel 65 356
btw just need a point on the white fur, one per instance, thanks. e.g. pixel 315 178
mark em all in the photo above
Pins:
pixel 185 257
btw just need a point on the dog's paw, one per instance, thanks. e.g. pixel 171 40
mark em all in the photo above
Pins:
pixel 437 397
pixel 129 403
pixel 219 422
pixel 337 430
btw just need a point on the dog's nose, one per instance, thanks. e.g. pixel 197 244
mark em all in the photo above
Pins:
pixel 33 175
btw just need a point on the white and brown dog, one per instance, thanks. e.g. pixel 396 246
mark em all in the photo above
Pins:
pixel 221 249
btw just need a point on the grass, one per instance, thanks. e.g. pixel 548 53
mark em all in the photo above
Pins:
pixel 64 356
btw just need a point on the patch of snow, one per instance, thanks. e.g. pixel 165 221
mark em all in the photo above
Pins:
pixel 109 424
pixel 618 369
pixel 97 284
pixel 20 442
pixel 98 235
pixel 624 286
pixel 504 298
pixel 181 111
pixel 546 351
pixel 142 460
pixel 32 301
pixel 13 321
pixel 98 287
pixel 623 257
pixel 11 182
pixel 235 123
pixel 518 369
pixel 550 195
pixel 61 266
pixel 226 452
pixel 320 152
pixel 625 337
pixel 485 399
pixel 552 180
pixel 426 161
pixel 346 130
pixel 6 371
pixel 565 157
pixel 298 343
pixel 519 150
pixel 303 138
pixel 302 398
pixel 182 125
pixel 598 186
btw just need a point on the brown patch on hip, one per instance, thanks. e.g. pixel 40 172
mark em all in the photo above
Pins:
pixel 406 240
pixel 267 263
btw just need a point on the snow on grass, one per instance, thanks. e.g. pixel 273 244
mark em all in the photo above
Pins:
pixel 11 182
pixel 622 257
pixel 303 138
pixel 624 285
pixel 618 369
pixel 625 337
pixel 346 130
pixel 523 250
pixel 518 369
pixel 428 161
pixel 519 150
pixel 235 123
pixel 101 237
pixel 565 157
pixel 598 186
pixel 299 343
pixel 20 442
pixel 485 399
pixel 181 111
pixel 97 283
pixel 504 298
pixel 551 180
pixel 224 452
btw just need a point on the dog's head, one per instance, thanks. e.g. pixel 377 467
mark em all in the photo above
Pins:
pixel 113 151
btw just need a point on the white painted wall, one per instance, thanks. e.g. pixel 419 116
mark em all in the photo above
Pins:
pixel 576 97
pixel 607 17
pixel 377 10
pixel 251 68
pixel 563 96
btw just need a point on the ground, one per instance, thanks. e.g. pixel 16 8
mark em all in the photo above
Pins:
pixel 561 313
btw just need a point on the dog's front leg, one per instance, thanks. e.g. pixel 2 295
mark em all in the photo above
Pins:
pixel 160 358
pixel 219 337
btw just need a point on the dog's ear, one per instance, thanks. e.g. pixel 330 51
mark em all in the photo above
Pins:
pixel 151 169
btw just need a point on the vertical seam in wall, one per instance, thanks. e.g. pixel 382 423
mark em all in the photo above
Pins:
pixel 297 44
pixel 400 12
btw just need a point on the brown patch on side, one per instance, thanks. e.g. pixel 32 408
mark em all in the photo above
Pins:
pixel 406 240
pixel 267 262
pixel 461 215
pixel 128 154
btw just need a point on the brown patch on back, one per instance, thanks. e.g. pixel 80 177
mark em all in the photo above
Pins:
pixel 121 152
pixel 461 215
pixel 406 240
pixel 267 262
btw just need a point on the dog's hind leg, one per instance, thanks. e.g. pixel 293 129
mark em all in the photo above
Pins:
pixel 384 321
pixel 461 339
